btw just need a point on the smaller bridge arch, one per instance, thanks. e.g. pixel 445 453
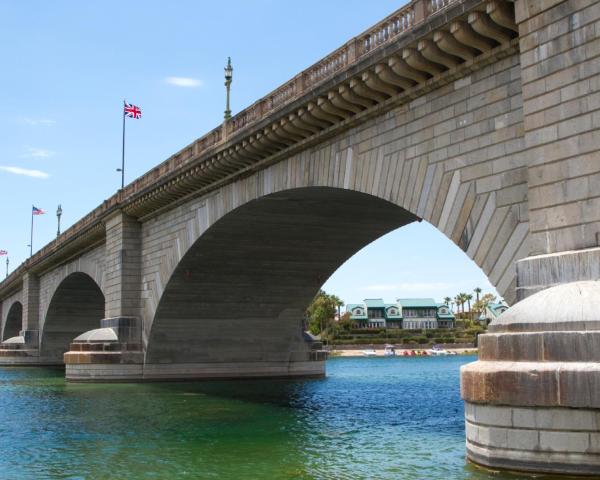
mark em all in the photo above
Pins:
pixel 14 321
pixel 76 306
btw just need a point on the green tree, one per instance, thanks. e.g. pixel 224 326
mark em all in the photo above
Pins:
pixel 321 312
pixel 483 302
pixel 468 298
pixel 447 301
pixel 458 301
pixel 477 291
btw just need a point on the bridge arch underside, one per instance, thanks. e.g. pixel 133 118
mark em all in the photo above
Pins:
pixel 76 307
pixel 14 321
pixel 239 294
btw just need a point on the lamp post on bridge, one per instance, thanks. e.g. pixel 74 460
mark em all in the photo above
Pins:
pixel 7 266
pixel 228 80
pixel 58 214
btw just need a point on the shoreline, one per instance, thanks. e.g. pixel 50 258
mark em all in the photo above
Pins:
pixel 399 351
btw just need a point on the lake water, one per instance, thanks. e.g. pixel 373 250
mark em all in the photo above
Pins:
pixel 380 418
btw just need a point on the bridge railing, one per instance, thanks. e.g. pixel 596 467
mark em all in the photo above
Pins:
pixel 388 29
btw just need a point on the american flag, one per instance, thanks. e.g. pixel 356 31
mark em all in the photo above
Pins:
pixel 36 211
pixel 132 111
pixel 3 252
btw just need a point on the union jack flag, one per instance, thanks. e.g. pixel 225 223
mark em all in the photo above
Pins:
pixel 132 111
pixel 3 252
pixel 36 211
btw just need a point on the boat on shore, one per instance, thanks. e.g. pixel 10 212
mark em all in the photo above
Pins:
pixel 369 352
pixel 389 351
pixel 436 350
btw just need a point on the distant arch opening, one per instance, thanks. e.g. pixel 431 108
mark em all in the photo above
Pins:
pixel 14 321
pixel 76 307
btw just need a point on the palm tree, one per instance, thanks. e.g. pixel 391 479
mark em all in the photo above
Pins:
pixel 477 291
pixel 447 301
pixel 463 300
pixel 468 298
pixel 457 300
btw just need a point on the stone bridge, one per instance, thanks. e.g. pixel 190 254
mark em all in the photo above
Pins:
pixel 479 117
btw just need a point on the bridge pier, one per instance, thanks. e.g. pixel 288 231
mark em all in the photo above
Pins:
pixel 23 349
pixel 113 353
pixel 532 400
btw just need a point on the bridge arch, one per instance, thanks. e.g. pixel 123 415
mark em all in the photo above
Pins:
pixel 14 321
pixel 240 289
pixel 76 306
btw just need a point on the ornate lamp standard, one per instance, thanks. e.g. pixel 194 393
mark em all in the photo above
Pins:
pixel 58 214
pixel 228 79
pixel 7 266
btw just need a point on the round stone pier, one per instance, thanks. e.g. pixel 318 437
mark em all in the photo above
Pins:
pixel 532 400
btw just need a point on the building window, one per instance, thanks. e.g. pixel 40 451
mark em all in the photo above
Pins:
pixel 375 313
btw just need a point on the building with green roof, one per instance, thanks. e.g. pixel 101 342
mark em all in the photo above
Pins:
pixel 411 313
pixel 375 313
pixel 491 312
pixel 425 313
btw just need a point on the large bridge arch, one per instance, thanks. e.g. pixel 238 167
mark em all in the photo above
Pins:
pixel 453 157
pixel 264 248
pixel 14 321
pixel 76 306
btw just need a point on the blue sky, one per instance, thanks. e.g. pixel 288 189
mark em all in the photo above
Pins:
pixel 68 65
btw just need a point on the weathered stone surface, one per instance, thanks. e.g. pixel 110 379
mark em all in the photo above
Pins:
pixel 535 439
pixel 542 353
pixel 566 307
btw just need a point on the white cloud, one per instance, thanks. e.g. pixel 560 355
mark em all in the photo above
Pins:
pixel 46 122
pixel 37 153
pixel 409 287
pixel 184 82
pixel 25 171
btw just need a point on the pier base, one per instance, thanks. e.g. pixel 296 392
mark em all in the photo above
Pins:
pixel 23 350
pixel 532 400
pixel 122 372
pixel 114 353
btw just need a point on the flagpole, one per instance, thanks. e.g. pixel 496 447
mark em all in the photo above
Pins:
pixel 31 238
pixel 123 152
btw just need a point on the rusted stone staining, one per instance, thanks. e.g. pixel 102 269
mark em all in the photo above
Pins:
pixel 533 384
pixel 552 346
pixel 542 354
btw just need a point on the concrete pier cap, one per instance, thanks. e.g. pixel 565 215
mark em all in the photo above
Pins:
pixel 532 400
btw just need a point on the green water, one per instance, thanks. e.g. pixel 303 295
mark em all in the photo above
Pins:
pixel 380 418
